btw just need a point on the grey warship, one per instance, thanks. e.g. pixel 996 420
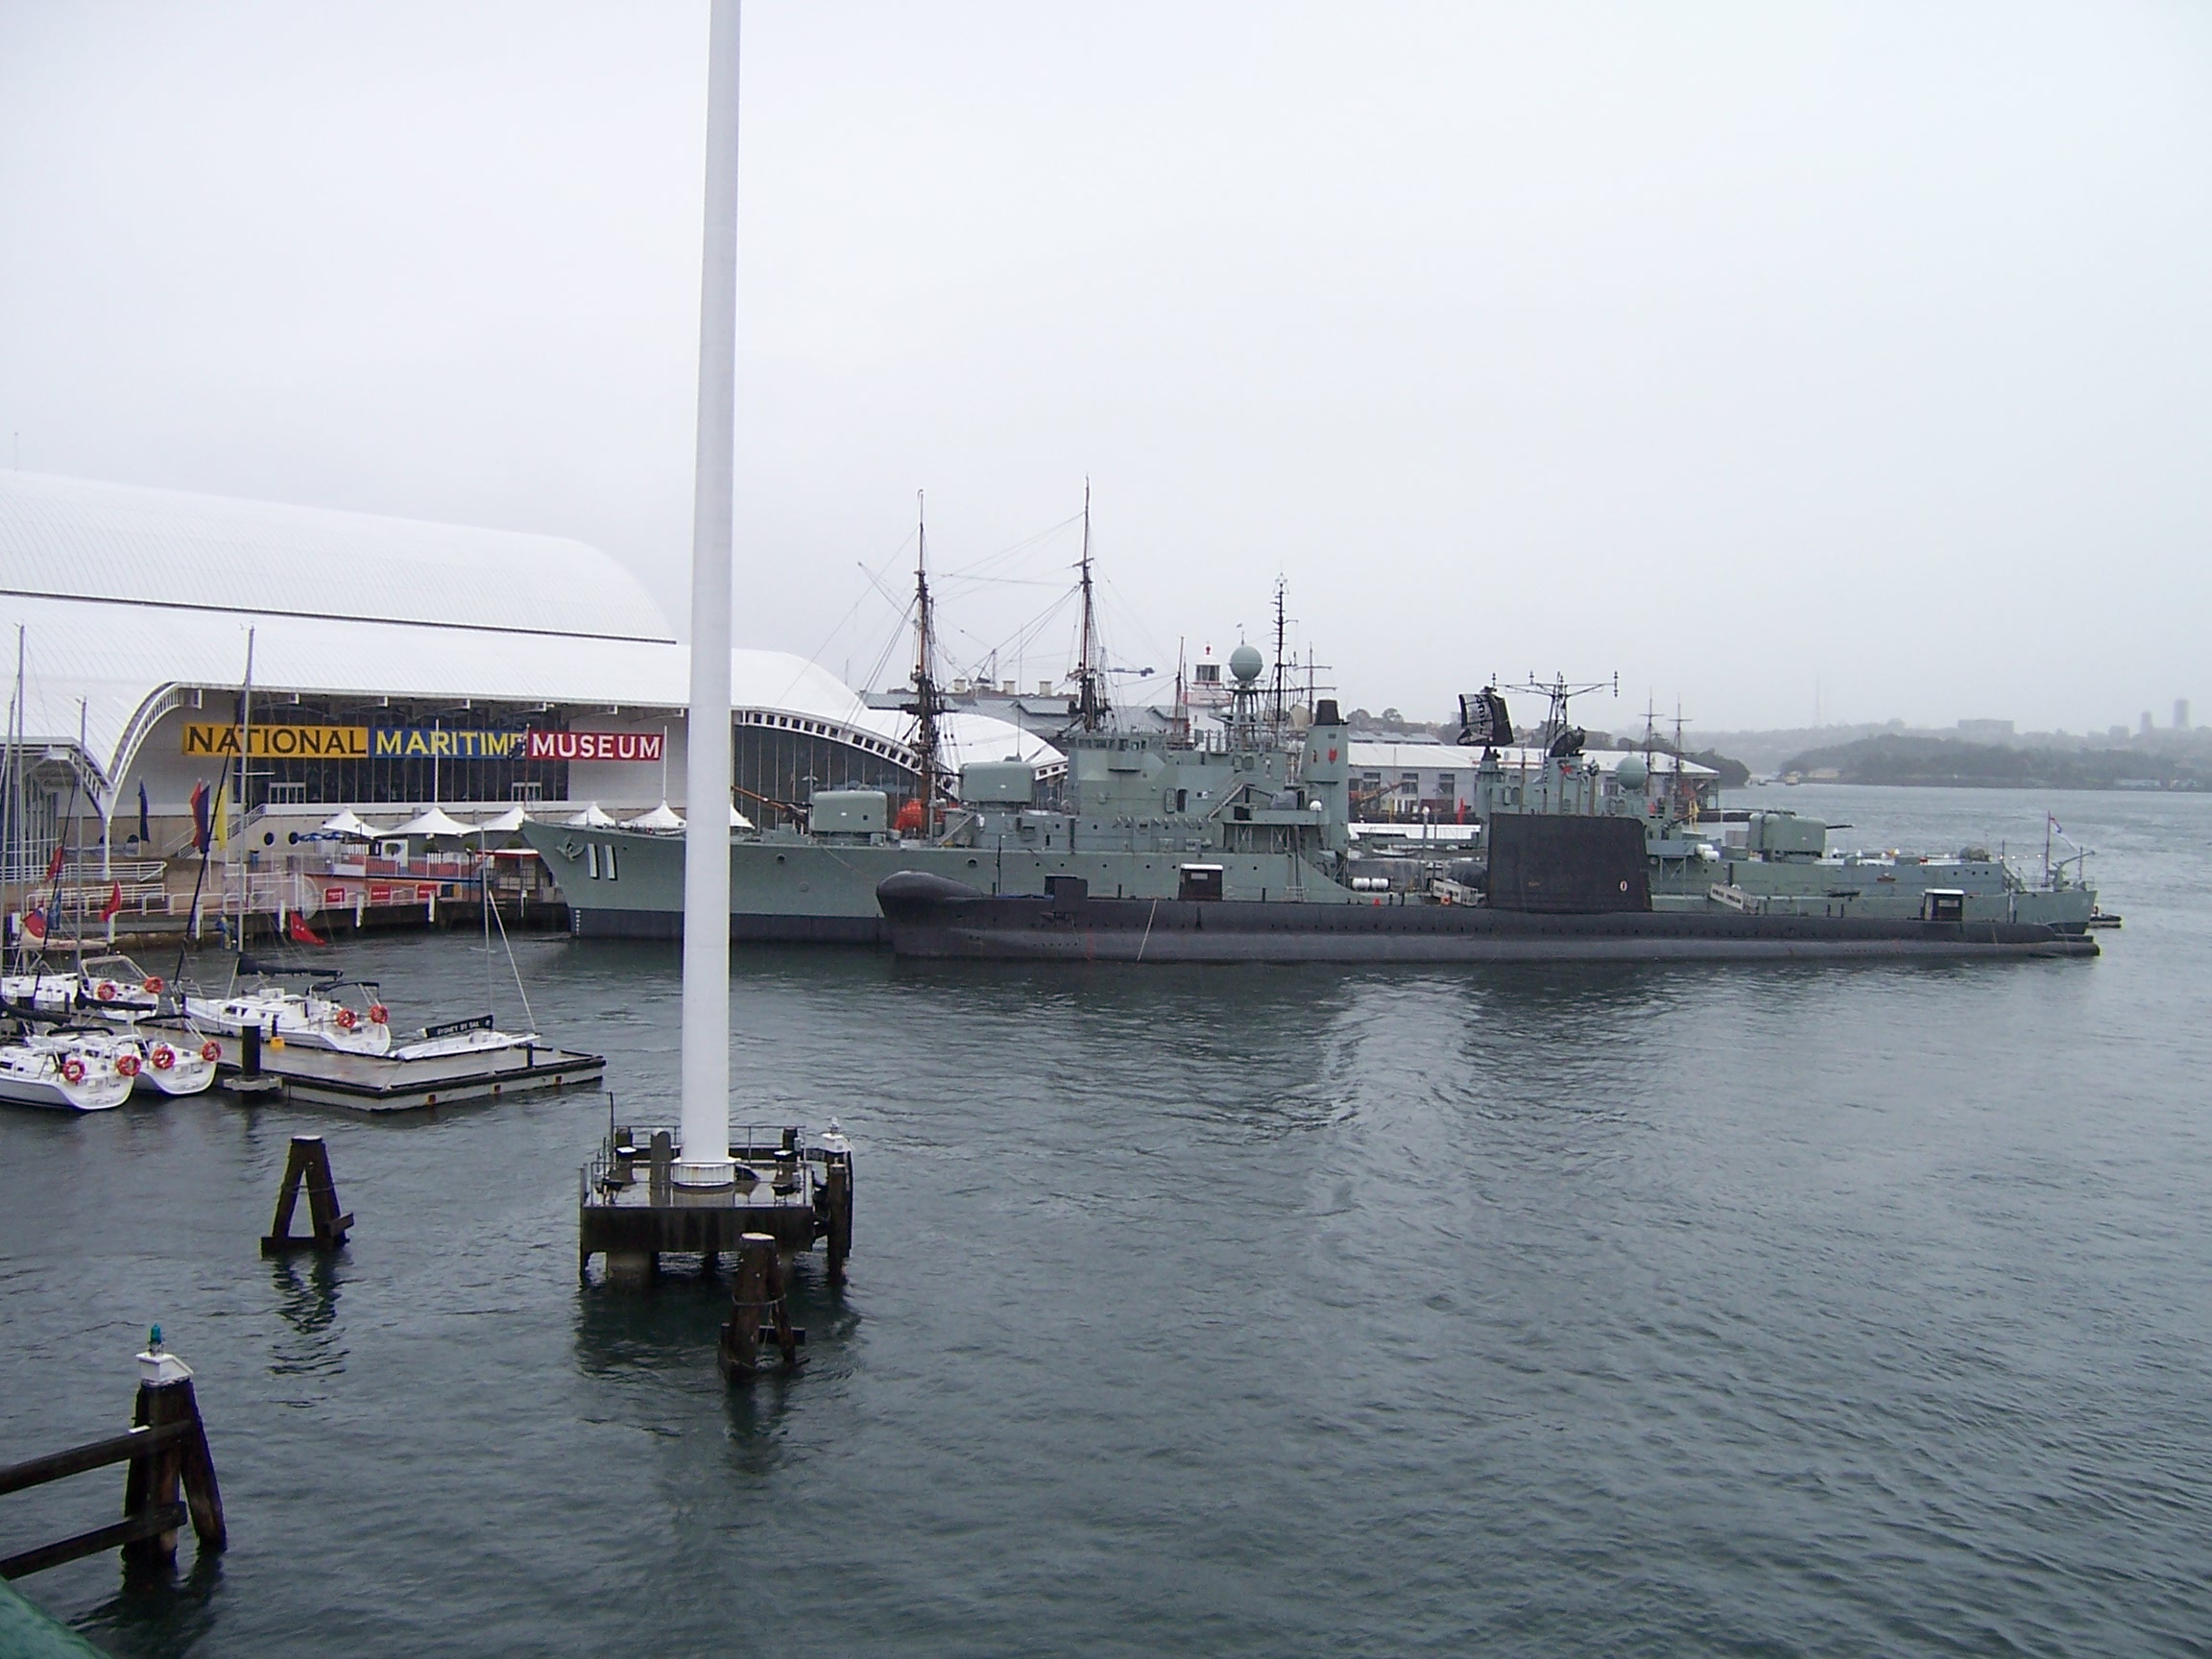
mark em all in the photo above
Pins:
pixel 1250 793
pixel 1261 798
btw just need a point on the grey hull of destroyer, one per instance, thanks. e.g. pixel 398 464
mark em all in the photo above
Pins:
pixel 1264 805
pixel 795 889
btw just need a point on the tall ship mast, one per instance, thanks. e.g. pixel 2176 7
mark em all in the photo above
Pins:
pixel 929 703
pixel 1091 706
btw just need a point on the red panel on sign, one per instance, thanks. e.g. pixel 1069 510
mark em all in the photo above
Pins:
pixel 333 895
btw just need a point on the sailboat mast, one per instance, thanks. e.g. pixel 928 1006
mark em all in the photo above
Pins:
pixel 244 780
pixel 705 1159
pixel 18 799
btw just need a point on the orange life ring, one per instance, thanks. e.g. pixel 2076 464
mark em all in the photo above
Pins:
pixel 127 1064
pixel 211 1051
pixel 347 1018
pixel 105 989
pixel 164 1056
pixel 73 1068
pixel 156 984
pixel 378 1014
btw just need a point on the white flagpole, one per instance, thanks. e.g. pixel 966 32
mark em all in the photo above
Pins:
pixel 704 1158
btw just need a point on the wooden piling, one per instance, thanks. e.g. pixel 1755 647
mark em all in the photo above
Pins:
pixel 838 1202
pixel 171 1479
pixel 309 1163
pixel 757 1299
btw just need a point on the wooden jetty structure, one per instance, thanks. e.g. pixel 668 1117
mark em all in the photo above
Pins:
pixel 632 1211
pixel 171 1479
pixel 251 1065
pixel 308 1165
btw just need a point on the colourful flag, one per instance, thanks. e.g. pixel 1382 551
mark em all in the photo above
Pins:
pixel 199 819
pixel 35 924
pixel 301 933
pixel 54 864
pixel 222 818
pixel 145 824
pixel 114 905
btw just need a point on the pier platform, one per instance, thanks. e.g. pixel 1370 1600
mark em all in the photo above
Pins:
pixel 630 1211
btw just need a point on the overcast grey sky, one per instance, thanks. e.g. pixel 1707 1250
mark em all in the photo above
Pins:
pixel 1743 349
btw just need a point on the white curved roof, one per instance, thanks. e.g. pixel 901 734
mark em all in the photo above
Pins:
pixel 130 598
pixel 69 537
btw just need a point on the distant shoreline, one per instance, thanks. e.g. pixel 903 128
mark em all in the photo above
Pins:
pixel 2019 786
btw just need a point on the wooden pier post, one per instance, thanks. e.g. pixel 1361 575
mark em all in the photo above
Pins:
pixel 310 1163
pixel 165 1397
pixel 167 1451
pixel 757 1299
pixel 838 1187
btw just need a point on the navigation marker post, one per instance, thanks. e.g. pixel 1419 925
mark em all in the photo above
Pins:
pixel 704 1158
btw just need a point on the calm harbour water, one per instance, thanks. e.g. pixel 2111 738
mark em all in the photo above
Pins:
pixel 1224 1312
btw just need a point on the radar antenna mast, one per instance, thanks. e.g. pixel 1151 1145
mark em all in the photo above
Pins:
pixel 1281 714
pixel 1555 730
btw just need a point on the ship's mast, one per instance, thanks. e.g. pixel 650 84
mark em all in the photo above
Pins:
pixel 1180 729
pixel 1089 674
pixel 1279 716
pixel 929 701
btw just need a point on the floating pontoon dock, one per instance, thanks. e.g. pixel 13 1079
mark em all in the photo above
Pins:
pixel 381 1083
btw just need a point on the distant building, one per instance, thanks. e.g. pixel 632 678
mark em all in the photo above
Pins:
pixel 2118 733
pixel 1986 731
pixel 2146 723
pixel 2180 713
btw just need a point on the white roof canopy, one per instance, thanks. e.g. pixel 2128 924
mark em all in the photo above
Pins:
pixel 437 821
pixel 480 614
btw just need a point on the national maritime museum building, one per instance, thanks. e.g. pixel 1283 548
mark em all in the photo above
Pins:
pixel 394 665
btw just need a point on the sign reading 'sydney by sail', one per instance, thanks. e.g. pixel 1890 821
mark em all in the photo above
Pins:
pixel 407 742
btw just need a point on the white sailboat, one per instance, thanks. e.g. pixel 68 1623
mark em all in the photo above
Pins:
pixel 68 1077
pixel 317 1017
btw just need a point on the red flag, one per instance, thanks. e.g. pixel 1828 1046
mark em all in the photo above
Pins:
pixel 114 905
pixel 54 864
pixel 35 924
pixel 301 933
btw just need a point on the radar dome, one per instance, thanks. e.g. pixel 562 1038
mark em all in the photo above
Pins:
pixel 1244 662
pixel 1632 772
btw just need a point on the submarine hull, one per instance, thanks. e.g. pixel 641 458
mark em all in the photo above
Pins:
pixel 931 916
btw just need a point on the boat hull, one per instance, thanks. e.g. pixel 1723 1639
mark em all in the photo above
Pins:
pixel 931 919
pixel 792 890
